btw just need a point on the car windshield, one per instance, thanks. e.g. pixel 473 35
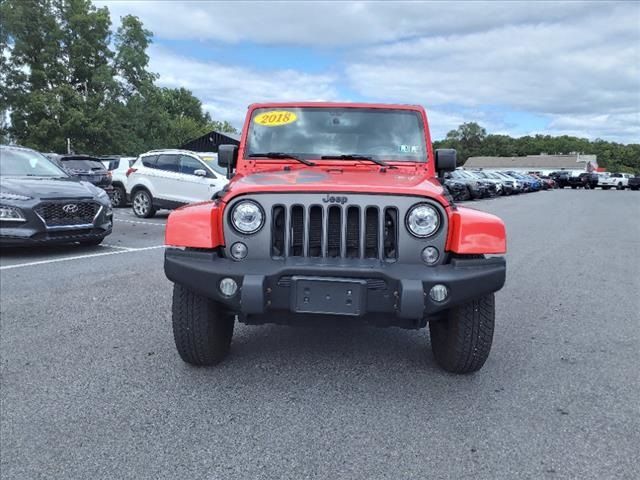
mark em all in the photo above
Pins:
pixel 315 132
pixel 82 164
pixel 464 174
pixel 16 162
pixel 211 159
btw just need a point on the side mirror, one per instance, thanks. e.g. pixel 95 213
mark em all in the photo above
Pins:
pixel 200 173
pixel 228 157
pixel 446 160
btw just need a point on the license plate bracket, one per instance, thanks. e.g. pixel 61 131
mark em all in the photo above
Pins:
pixel 329 296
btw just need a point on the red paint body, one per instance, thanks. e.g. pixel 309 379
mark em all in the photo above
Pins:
pixel 470 231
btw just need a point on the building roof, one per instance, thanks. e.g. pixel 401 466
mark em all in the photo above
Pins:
pixel 570 161
pixel 209 142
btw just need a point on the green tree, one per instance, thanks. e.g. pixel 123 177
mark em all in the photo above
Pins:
pixel 470 139
pixel 62 80
pixel 131 60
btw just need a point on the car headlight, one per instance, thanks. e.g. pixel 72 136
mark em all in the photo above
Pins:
pixel 423 220
pixel 11 214
pixel 102 195
pixel 247 217
pixel 13 196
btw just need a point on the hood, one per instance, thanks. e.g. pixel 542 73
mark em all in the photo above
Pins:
pixel 44 187
pixel 348 180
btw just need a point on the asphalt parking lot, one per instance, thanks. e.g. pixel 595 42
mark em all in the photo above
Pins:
pixel 92 386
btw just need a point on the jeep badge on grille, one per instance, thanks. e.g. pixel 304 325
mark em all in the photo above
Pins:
pixel 332 199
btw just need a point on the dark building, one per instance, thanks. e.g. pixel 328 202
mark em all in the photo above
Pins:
pixel 210 142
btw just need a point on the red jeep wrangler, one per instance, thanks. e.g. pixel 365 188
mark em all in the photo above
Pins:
pixel 335 210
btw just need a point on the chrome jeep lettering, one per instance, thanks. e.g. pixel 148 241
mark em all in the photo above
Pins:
pixel 334 199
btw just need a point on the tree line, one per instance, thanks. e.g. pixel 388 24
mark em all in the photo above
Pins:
pixel 64 75
pixel 471 140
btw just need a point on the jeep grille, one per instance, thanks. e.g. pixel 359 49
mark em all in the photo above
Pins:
pixel 334 231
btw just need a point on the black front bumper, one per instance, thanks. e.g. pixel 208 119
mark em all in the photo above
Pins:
pixel 33 231
pixel 391 290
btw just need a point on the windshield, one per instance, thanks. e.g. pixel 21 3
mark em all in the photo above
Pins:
pixel 27 163
pixel 83 164
pixel 211 159
pixel 314 132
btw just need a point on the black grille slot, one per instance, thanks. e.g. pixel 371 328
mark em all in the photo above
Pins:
pixel 277 231
pixel 67 214
pixel 334 230
pixel 353 232
pixel 315 231
pixel 390 233
pixel 371 233
pixel 297 231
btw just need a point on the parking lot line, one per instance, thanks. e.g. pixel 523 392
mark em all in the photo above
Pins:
pixel 79 257
pixel 106 245
pixel 136 221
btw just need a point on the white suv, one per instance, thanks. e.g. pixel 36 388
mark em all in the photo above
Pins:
pixel 619 181
pixel 172 178
pixel 119 168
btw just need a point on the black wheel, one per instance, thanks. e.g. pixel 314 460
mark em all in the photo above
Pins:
pixel 619 186
pixel 142 204
pixel 461 341
pixel 118 197
pixel 202 329
pixel 93 241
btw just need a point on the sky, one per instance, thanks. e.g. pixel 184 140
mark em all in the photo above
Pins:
pixel 516 68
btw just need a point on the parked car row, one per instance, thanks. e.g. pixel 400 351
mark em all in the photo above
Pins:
pixel 590 180
pixel 475 184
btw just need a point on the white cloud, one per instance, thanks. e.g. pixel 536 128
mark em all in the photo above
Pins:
pixel 583 71
pixel 576 64
pixel 226 90
pixel 330 23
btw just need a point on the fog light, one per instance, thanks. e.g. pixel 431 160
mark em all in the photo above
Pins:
pixel 228 287
pixel 430 255
pixel 438 293
pixel 239 250
pixel 11 214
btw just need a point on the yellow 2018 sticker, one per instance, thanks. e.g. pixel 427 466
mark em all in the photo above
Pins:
pixel 275 118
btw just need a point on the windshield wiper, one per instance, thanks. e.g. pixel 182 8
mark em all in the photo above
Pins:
pixel 355 156
pixel 282 155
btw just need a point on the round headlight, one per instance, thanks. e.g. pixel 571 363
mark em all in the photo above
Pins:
pixel 423 220
pixel 247 217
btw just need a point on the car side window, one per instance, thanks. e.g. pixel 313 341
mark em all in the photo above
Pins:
pixel 168 163
pixel 150 161
pixel 189 165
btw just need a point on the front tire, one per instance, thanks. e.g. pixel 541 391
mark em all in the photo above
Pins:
pixel 202 330
pixel 461 341
pixel 142 204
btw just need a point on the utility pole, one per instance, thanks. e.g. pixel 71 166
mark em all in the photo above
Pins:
pixel 68 145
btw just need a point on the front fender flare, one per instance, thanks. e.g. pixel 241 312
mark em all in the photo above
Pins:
pixel 472 232
pixel 198 225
